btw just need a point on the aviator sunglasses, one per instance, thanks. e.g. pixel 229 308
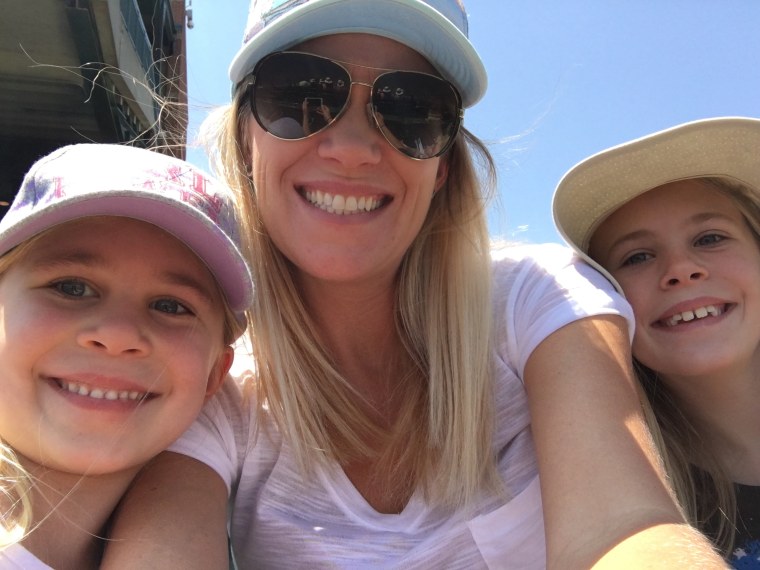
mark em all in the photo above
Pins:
pixel 295 95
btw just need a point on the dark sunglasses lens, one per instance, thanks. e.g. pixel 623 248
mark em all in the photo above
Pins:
pixel 419 114
pixel 295 95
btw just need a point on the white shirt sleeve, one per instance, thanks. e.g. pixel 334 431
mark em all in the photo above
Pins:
pixel 539 289
pixel 217 437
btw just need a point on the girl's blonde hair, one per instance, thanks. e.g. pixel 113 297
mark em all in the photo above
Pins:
pixel 443 318
pixel 701 484
pixel 15 482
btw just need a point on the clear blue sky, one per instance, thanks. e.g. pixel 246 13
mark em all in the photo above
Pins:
pixel 567 78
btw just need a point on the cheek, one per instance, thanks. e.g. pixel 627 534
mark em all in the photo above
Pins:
pixel 23 322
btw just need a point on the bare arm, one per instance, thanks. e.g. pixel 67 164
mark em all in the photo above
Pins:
pixel 606 500
pixel 173 516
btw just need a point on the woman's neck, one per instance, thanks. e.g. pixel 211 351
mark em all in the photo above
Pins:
pixel 357 325
pixel 70 514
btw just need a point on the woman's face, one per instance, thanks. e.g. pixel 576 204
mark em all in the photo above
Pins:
pixel 690 267
pixel 350 160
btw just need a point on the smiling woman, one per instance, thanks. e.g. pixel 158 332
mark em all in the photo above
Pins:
pixel 400 368
pixel 676 222
pixel 116 321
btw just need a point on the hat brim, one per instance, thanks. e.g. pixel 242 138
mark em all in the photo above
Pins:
pixel 410 22
pixel 203 237
pixel 727 147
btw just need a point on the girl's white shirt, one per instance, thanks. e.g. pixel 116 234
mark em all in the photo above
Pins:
pixel 281 520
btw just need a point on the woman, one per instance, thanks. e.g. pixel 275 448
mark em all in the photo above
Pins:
pixel 677 224
pixel 390 415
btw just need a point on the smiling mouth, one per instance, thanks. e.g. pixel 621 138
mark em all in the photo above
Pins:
pixel 694 315
pixel 101 394
pixel 342 205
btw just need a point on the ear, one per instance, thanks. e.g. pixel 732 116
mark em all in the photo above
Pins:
pixel 219 371
pixel 442 175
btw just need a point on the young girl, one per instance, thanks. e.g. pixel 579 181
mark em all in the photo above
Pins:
pixel 121 290
pixel 675 219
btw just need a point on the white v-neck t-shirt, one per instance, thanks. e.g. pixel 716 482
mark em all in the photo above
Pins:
pixel 281 520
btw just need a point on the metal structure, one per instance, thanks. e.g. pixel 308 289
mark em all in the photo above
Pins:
pixel 89 71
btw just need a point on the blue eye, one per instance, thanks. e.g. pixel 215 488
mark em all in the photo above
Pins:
pixel 709 239
pixel 73 288
pixel 636 258
pixel 171 307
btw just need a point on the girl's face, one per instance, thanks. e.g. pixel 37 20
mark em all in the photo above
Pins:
pixel 110 342
pixel 350 160
pixel 690 267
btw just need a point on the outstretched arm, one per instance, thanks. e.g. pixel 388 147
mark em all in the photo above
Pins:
pixel 174 516
pixel 606 500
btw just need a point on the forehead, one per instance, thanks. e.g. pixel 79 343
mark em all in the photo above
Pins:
pixel 662 209
pixel 112 240
pixel 367 50
pixel 688 194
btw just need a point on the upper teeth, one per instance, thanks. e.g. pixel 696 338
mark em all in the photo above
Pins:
pixel 99 394
pixel 699 313
pixel 339 204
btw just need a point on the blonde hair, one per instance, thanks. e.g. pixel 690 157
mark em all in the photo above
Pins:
pixel 15 482
pixel 443 318
pixel 700 481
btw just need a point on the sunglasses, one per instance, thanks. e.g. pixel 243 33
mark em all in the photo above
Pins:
pixel 296 95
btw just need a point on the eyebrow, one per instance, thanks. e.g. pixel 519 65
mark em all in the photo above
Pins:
pixel 84 258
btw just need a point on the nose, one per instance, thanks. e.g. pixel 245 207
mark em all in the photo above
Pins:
pixel 682 270
pixel 353 140
pixel 115 333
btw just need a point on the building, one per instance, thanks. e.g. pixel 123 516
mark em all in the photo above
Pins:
pixel 89 71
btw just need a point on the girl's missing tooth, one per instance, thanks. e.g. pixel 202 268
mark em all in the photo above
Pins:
pixel 674 218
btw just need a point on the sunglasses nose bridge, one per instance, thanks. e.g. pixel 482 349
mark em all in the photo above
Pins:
pixel 368 107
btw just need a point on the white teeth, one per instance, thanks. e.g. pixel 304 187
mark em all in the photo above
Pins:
pixel 99 394
pixel 339 204
pixel 698 313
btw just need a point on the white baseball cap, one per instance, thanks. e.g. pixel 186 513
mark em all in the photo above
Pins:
pixel 437 29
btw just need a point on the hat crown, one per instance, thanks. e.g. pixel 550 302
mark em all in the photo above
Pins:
pixel 264 12
pixel 91 169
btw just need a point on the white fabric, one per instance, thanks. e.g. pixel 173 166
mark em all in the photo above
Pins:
pixel 281 521
pixel 16 557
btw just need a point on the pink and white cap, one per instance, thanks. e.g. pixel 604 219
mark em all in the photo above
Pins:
pixel 84 180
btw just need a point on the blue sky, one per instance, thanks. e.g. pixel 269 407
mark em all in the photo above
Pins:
pixel 567 78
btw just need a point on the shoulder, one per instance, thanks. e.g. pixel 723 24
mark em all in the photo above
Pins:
pixel 553 269
pixel 538 289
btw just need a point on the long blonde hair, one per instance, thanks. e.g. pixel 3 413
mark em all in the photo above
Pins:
pixel 701 484
pixel 443 318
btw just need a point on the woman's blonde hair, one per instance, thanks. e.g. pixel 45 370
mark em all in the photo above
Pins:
pixel 443 318
pixel 700 481
pixel 15 482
